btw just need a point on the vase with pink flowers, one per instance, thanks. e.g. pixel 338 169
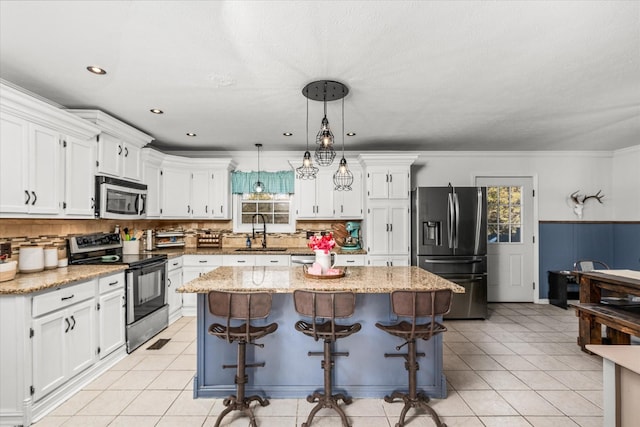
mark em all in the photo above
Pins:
pixel 322 246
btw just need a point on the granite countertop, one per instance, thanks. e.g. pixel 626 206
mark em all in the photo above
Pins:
pixel 288 279
pixel 25 283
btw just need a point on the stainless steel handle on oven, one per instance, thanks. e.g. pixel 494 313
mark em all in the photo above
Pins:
pixel 452 261
pixel 457 221
pixel 130 312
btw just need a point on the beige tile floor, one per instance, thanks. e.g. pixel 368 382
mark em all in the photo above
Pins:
pixel 520 367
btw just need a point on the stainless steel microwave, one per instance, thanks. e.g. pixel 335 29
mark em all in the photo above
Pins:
pixel 120 199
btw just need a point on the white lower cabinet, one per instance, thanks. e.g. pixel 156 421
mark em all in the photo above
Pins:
pixel 111 314
pixel 387 261
pixel 55 341
pixel 195 266
pixel 345 260
pixel 64 344
pixel 174 281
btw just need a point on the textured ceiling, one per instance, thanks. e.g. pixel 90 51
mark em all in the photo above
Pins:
pixel 450 75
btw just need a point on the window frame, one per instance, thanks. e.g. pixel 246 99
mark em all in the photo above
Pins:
pixel 239 227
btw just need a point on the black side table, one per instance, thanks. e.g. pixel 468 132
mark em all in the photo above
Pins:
pixel 562 286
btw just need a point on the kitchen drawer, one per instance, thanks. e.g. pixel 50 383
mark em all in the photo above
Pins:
pixel 202 260
pixel 111 283
pixel 63 297
pixel 239 260
pixel 282 260
pixel 175 263
pixel 353 260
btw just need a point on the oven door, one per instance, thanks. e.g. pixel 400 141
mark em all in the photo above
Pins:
pixel 146 290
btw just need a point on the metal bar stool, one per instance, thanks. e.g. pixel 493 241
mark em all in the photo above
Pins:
pixel 415 305
pixel 324 308
pixel 240 307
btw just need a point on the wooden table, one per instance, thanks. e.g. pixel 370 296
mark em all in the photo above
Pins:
pixel 289 372
pixel 621 321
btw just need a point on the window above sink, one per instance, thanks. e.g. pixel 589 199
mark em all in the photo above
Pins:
pixel 277 210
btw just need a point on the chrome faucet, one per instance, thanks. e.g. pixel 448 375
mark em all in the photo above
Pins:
pixel 264 229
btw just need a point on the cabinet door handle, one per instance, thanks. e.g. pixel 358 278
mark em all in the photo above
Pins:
pixel 391 228
pixel 169 282
pixel 66 298
pixel 341 208
pixel 114 283
pixel 126 151
pixel 206 208
pixel 188 208
pixel 351 260
pixel 202 261
pixel 68 325
pixel 119 149
pixel 387 227
pixel 175 263
pixel 220 208
pixel 240 261
pixel 390 178
pixel 274 261
pixel 74 322
pixel 93 203
pixel 35 198
pixel 26 202
pixel 387 178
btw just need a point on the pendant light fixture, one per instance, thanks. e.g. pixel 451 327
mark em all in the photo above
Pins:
pixel 258 187
pixel 307 170
pixel 325 91
pixel 343 178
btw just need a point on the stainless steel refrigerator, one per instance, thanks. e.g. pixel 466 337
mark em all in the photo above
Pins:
pixel 449 238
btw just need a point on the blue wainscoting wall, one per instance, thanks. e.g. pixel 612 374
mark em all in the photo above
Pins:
pixel 562 244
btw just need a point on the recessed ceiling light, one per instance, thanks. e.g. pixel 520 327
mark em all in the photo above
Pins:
pixel 96 70
pixel 351 134
pixel 287 133
pixel 156 111
pixel 191 134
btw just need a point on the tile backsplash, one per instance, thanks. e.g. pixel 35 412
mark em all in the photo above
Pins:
pixel 53 232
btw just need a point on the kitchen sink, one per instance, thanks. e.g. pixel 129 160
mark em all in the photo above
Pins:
pixel 261 249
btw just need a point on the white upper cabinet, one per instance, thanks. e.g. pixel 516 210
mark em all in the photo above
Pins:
pixel 119 145
pixel 152 177
pixel 176 184
pixel 79 172
pixel 314 197
pixel 195 188
pixel 386 183
pixel 348 204
pixel 33 138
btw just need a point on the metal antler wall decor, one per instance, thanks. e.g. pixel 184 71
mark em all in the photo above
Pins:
pixel 578 203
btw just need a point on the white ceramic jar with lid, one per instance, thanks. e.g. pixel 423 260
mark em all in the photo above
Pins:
pixel 31 259
pixel 50 257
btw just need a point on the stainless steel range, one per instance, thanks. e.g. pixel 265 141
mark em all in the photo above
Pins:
pixel 147 312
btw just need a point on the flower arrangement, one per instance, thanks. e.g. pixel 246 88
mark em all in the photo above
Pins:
pixel 324 243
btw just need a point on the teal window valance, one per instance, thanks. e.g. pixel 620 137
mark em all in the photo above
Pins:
pixel 281 182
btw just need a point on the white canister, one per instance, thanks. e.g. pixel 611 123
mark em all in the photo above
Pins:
pixel 50 257
pixel 31 259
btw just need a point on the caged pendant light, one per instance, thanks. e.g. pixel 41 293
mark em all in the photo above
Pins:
pixel 258 187
pixel 325 90
pixel 307 170
pixel 343 178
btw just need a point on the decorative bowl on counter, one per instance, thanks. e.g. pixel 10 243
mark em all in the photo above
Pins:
pixel 8 270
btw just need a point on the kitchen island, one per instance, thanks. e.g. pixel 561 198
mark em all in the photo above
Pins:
pixel 289 372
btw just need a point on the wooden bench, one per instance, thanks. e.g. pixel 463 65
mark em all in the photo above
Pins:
pixel 620 323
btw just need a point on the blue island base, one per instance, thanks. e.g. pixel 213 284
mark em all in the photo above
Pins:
pixel 290 373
